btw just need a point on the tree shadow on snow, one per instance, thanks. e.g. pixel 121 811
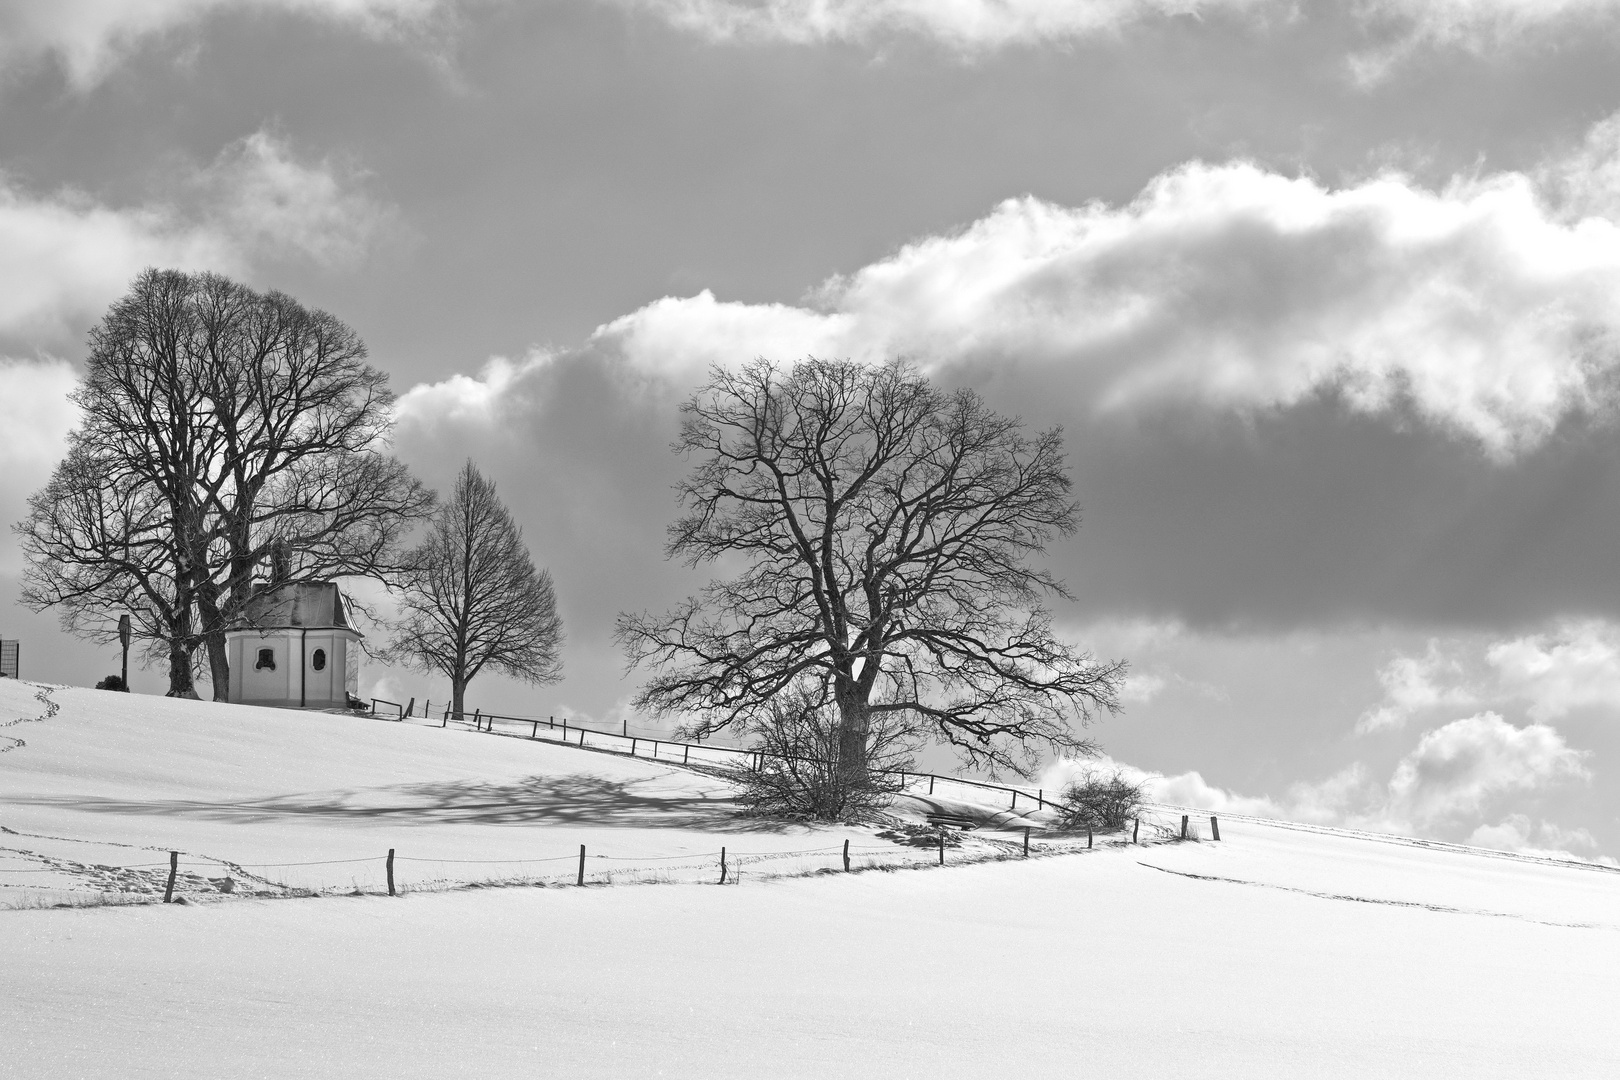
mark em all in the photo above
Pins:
pixel 581 800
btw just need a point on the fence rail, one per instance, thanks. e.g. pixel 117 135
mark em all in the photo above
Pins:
pixel 575 734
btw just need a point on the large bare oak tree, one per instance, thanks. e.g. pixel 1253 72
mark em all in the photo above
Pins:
pixel 247 422
pixel 473 598
pixel 884 531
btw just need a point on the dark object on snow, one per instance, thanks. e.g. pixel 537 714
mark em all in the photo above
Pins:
pixel 923 836
pixel 954 821
pixel 113 682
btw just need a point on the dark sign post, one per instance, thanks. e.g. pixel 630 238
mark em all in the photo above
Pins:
pixel 123 638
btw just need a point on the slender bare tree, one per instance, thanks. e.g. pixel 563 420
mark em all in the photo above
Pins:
pixel 243 420
pixel 474 600
pixel 886 530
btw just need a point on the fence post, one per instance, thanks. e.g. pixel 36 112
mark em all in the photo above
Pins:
pixel 846 854
pixel 930 783
pixel 722 866
pixel 686 752
pixel 942 845
pixel 581 864
pixel 1184 826
pixel 1040 798
pixel 1136 824
pixel 1088 837
pixel 1214 827
pixel 1026 841
pixel 655 748
pixel 1015 800
pixel 632 746
pixel 390 871
pixel 478 723
pixel 534 729
pixel 427 709
pixel 582 736
pixel 565 729
pixel 174 867
pixel 446 721
pixel 409 709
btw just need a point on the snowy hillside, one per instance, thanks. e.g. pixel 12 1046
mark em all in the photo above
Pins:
pixel 1279 951
pixel 107 785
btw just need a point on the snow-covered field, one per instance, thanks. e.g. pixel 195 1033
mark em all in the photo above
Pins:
pixel 1277 952
pixel 281 801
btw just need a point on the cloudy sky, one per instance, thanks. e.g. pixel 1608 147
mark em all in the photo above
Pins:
pixel 1326 296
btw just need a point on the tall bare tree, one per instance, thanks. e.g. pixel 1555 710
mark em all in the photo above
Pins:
pixel 474 599
pixel 245 420
pixel 886 530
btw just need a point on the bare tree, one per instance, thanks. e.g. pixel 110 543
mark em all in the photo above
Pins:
pixel 244 420
pixel 302 422
pixel 473 598
pixel 886 529
pixel 98 545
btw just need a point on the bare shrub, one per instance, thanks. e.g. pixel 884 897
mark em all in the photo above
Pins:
pixel 798 774
pixel 1100 800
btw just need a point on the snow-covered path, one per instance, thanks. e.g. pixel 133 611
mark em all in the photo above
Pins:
pixel 1086 966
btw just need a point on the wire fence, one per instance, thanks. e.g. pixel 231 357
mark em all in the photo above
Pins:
pixel 188 877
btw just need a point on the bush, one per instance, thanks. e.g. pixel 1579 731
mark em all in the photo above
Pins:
pixel 112 682
pixel 798 777
pixel 1101 801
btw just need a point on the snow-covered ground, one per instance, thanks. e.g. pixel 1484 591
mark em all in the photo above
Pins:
pixel 106 785
pixel 1278 952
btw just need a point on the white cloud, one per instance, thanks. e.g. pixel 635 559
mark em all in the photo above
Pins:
pixel 1456 778
pixel 1458 767
pixel 1484 24
pixel 1573 666
pixel 35 415
pixel 466 399
pixel 966 25
pixel 1586 182
pixel 1413 684
pixel 976 26
pixel 1141 688
pixel 1517 832
pixel 1549 673
pixel 1184 789
pixel 1230 287
pixel 89 37
pixel 65 256
pixel 35 418
pixel 271 202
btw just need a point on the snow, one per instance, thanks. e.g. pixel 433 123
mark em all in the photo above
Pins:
pixel 1278 952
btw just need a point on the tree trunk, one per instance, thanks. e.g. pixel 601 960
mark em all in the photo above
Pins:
pixel 213 626
pixel 458 690
pixel 180 684
pixel 853 728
